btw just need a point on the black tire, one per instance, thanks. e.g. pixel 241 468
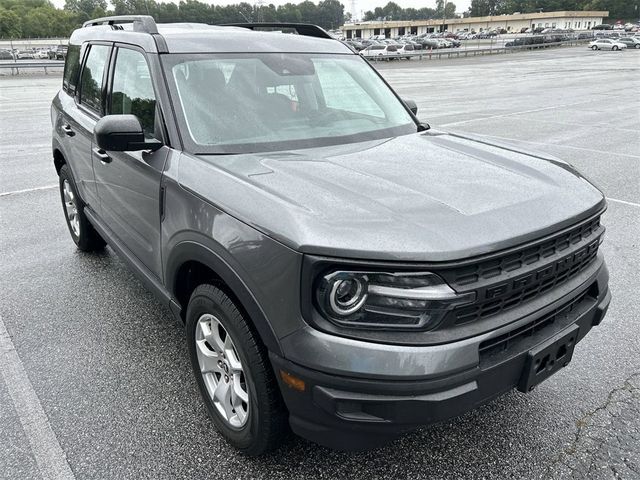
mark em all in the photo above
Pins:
pixel 615 47
pixel 86 239
pixel 267 425
pixel 637 45
pixel 594 47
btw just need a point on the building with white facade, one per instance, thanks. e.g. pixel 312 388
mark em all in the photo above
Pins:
pixel 577 20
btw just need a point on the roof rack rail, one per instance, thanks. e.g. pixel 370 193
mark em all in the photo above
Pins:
pixel 306 29
pixel 141 23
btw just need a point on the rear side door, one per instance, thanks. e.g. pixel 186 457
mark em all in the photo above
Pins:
pixel 80 116
pixel 129 182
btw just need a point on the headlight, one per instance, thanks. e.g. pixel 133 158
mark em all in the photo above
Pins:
pixel 386 299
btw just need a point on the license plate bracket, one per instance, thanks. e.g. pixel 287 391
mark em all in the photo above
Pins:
pixel 547 358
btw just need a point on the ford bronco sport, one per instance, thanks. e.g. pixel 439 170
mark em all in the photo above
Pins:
pixel 340 269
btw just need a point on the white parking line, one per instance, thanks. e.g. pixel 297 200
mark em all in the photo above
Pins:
pixel 501 115
pixel 555 145
pixel 48 454
pixel 27 190
pixel 633 204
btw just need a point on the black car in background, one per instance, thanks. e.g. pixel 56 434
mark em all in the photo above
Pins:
pixel 61 52
pixel 524 41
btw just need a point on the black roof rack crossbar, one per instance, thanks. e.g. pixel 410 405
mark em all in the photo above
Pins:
pixel 305 29
pixel 141 23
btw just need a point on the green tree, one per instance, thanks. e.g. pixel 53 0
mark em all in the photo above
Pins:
pixel 86 7
pixel 10 26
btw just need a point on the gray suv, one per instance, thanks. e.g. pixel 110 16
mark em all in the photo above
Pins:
pixel 341 269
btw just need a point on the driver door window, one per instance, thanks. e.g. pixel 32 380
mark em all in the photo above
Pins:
pixel 132 91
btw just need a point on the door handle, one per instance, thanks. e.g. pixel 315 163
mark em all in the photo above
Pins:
pixel 68 131
pixel 102 155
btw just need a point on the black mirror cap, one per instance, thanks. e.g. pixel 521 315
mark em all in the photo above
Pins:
pixel 411 105
pixel 122 133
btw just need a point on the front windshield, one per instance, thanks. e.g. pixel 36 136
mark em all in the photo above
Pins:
pixel 242 103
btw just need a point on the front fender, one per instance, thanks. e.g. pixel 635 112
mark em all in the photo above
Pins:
pixel 262 273
pixel 194 250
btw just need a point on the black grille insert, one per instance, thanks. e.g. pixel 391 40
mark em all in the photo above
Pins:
pixel 503 342
pixel 544 267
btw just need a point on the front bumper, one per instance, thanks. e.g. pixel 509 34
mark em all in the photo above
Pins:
pixel 364 394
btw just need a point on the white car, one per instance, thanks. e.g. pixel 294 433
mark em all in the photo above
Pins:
pixel 606 44
pixel 380 51
pixel 405 50
pixel 41 54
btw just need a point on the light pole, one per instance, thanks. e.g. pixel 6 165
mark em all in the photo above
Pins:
pixel 444 15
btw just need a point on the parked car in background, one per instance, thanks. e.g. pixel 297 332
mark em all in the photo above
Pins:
pixel 381 50
pixel 606 44
pixel 630 42
pixel 41 54
pixel 525 41
pixel 405 49
pixel 24 55
pixel 61 52
pixel 429 43
pixel 6 55
pixel 444 43
pixel 356 45
pixel 603 26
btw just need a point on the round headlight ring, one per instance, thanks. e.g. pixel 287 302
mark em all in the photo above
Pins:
pixel 347 296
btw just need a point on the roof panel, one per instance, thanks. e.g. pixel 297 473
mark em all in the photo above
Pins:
pixel 202 38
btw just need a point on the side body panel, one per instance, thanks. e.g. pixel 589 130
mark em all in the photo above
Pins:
pixel 73 130
pixel 262 273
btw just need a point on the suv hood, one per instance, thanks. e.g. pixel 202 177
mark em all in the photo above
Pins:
pixel 422 197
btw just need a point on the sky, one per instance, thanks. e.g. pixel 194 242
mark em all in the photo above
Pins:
pixel 362 5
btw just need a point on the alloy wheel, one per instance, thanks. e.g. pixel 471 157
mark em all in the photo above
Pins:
pixel 222 371
pixel 71 208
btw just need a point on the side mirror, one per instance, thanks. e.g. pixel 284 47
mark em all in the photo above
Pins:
pixel 122 133
pixel 411 105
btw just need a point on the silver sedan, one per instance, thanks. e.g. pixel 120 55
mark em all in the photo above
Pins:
pixel 606 44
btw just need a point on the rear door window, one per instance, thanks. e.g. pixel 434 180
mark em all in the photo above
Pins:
pixel 71 70
pixel 92 74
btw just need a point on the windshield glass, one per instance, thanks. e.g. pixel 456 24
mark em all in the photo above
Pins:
pixel 243 103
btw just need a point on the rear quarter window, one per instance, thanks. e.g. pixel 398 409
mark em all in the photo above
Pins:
pixel 71 70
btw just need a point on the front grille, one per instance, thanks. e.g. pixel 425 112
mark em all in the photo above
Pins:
pixel 505 341
pixel 523 275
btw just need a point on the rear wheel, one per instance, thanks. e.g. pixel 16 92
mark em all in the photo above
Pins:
pixel 82 232
pixel 594 47
pixel 615 47
pixel 234 374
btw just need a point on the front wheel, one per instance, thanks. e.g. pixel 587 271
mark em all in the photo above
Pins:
pixel 233 373
pixel 594 47
pixel 82 232
pixel 615 47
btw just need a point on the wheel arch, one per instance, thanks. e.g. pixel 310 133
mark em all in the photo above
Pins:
pixel 58 159
pixel 191 264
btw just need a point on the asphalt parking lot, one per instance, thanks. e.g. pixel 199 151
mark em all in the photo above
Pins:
pixel 103 370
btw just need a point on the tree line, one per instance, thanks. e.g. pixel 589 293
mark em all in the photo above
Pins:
pixel 393 11
pixel 40 19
